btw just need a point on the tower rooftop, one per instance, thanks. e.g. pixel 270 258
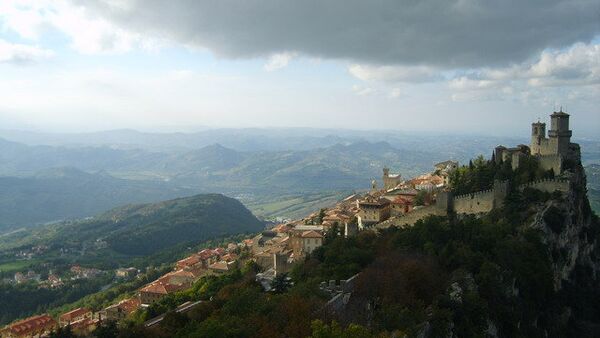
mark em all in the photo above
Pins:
pixel 559 113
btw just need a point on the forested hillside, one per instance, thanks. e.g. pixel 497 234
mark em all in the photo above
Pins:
pixel 146 228
pixel 67 193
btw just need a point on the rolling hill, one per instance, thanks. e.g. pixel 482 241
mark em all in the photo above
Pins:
pixel 144 229
pixel 64 193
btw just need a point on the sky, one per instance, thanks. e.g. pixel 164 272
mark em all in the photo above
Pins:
pixel 465 66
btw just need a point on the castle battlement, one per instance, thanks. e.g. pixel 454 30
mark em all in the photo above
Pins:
pixel 557 180
pixel 548 185
pixel 548 156
pixel 550 151
pixel 474 194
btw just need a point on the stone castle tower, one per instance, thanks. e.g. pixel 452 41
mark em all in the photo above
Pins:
pixel 551 151
pixel 559 136
pixel 390 181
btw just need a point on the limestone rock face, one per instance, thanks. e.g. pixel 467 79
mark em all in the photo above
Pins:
pixel 571 234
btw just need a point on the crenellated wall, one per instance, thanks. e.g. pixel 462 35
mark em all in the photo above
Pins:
pixel 412 217
pixel 548 185
pixel 475 203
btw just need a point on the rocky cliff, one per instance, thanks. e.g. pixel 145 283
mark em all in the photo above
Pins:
pixel 571 233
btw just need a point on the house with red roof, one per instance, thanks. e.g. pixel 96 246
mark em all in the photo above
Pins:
pixel 189 262
pixel 122 309
pixel 74 315
pixel 35 326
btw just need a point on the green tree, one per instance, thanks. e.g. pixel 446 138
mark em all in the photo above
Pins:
pixel 107 329
pixel 421 197
pixel 62 332
pixel 281 283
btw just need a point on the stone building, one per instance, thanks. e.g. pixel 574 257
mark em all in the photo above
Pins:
pixel 559 136
pixel 74 316
pixel 444 169
pixel 514 155
pixel 373 210
pixel 305 242
pixel 551 151
pixel 122 309
pixel 390 181
pixel 36 326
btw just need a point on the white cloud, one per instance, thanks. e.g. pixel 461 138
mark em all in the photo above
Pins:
pixel 20 53
pixel 363 91
pixel 579 65
pixel 278 61
pixel 88 34
pixel 395 73
pixel 396 93
pixel 569 71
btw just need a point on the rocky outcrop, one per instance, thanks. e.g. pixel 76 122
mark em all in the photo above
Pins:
pixel 570 232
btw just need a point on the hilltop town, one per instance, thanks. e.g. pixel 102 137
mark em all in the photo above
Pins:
pixel 399 203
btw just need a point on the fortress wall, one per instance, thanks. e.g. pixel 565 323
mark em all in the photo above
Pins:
pixel 553 161
pixel 475 203
pixel 412 217
pixel 548 185
pixel 481 201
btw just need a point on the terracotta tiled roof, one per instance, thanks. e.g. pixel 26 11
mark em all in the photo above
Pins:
pixel 375 201
pixel 74 314
pixel 206 254
pixel 311 234
pixel 163 288
pixel 127 305
pixel 402 201
pixel 155 288
pixel 189 261
pixel 130 305
pixel 219 251
pixel 229 257
pixel 31 325
pixel 180 273
pixel 221 265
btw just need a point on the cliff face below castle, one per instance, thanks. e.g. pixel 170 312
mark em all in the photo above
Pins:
pixel 571 233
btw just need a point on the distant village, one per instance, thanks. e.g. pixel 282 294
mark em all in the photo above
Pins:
pixel 398 202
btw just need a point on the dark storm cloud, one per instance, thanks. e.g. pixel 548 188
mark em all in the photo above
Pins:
pixel 441 33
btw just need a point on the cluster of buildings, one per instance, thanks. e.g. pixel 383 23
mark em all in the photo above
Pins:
pixel 277 249
pixel 82 322
pixel 399 197
pixel 30 276
pixel 54 280
pixel 85 273
pixel 31 252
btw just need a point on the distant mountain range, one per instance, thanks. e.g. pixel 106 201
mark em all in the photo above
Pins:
pixel 45 183
pixel 144 229
pixel 61 176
